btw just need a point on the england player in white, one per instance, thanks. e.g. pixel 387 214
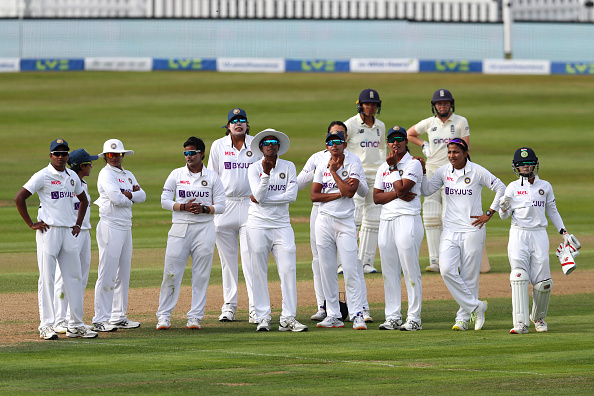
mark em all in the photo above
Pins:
pixel 56 230
pixel 194 194
pixel 230 158
pixel 528 201
pixel 336 230
pixel 273 182
pixel 118 191
pixel 367 140
pixel 398 189
pixel 81 163
pixel 440 128
pixel 304 178
pixel 462 238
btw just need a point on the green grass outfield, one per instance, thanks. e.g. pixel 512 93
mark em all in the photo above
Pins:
pixel 153 114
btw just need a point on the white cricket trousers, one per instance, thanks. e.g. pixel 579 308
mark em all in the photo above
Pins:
pixel 58 246
pixel 113 279
pixel 529 250
pixel 399 244
pixel 333 233
pixel 464 249
pixel 198 242
pixel 281 242
pixel 61 306
pixel 230 226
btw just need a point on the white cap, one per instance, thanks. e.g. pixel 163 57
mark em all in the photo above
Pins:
pixel 115 146
pixel 283 141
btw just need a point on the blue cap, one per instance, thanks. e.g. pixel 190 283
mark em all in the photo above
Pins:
pixel 235 113
pixel 396 129
pixel 59 142
pixel 79 156
pixel 335 135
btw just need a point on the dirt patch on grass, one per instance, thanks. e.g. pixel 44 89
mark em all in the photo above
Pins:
pixel 20 315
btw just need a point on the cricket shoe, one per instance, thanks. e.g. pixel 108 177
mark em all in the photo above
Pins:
pixel 163 324
pixel 367 316
pixel 104 327
pixel 253 318
pixel 264 325
pixel 47 333
pixel 460 325
pixel 330 322
pixel 127 324
pixel 478 316
pixel 359 322
pixel 291 325
pixel 81 332
pixel 391 324
pixel 320 315
pixel 339 270
pixel 61 327
pixel 433 267
pixel 227 313
pixel 411 325
pixel 193 324
pixel 369 269
pixel 519 328
pixel 540 325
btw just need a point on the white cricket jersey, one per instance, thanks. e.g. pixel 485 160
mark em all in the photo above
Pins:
pixel 86 225
pixel 342 207
pixel 369 144
pixel 115 207
pixel 407 169
pixel 55 190
pixel 439 134
pixel 232 165
pixel 531 203
pixel 273 192
pixel 182 186
pixel 463 193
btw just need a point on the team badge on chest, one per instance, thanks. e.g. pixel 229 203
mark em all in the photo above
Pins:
pixel 541 192
pixel 282 175
pixel 130 180
pixel 72 183
pixel 249 153
pixel 345 173
pixel 467 180
pixel 204 183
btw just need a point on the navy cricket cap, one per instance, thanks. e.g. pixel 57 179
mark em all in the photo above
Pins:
pixel 235 113
pixel 397 129
pixel 335 135
pixel 57 143
pixel 525 154
pixel 79 156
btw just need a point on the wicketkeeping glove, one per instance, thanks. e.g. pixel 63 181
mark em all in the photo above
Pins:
pixel 426 149
pixel 504 204
pixel 567 255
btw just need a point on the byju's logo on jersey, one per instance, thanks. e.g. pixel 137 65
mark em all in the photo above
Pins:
pixel 182 193
pixel 61 194
pixel 236 165
pixel 193 194
pixel 76 205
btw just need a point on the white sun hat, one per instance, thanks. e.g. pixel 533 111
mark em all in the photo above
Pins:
pixel 283 141
pixel 115 146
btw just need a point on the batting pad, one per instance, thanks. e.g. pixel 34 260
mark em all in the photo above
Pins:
pixel 541 294
pixel 520 285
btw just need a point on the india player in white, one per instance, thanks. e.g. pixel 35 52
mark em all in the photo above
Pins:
pixel 273 182
pixel 527 201
pixel 440 128
pixel 194 194
pixel 336 230
pixel 304 178
pixel 80 162
pixel 367 140
pixel 230 158
pixel 56 229
pixel 398 189
pixel 462 238
pixel 118 191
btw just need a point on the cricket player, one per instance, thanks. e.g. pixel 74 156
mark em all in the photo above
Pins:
pixel 462 238
pixel 118 191
pixel 527 201
pixel 367 140
pixel 57 228
pixel 81 163
pixel 304 178
pixel 230 157
pixel 398 189
pixel 194 194
pixel 336 230
pixel 273 182
pixel 440 128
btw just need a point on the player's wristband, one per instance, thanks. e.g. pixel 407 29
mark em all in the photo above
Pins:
pixel 562 231
pixel 76 225
pixel 205 209
pixel 392 168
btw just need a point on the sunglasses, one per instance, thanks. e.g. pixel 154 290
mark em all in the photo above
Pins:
pixel 270 142
pixel 111 155
pixel 336 142
pixel 60 153
pixel 392 139
pixel 238 120
pixel 191 153
pixel 86 163
pixel 526 163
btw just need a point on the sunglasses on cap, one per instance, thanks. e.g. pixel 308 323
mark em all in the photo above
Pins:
pixel 526 163
pixel 60 153
pixel 335 142
pixel 460 142
pixel 111 155
pixel 191 153
pixel 238 120
pixel 86 163
pixel 269 142
pixel 392 139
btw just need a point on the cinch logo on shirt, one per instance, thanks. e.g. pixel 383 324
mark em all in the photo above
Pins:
pixel 229 153
pixel 184 182
pixel 56 182
pixel 193 194
pixel 368 143
pixel 277 187
pixel 236 165
pixel 457 191
pixel 437 141
pixel 61 194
